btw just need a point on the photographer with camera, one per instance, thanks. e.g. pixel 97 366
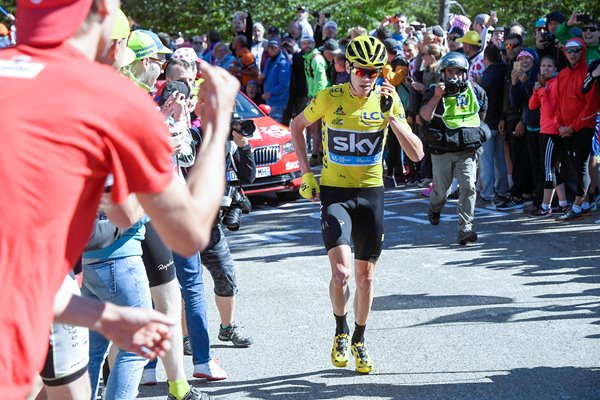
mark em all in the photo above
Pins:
pixel 546 44
pixel 217 255
pixel 454 111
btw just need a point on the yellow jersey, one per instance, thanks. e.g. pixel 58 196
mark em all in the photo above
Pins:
pixel 354 134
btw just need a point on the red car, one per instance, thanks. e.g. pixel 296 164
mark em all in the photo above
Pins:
pixel 277 168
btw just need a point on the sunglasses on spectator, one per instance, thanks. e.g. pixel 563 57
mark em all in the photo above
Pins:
pixel 589 28
pixel 364 72
pixel 511 46
pixel 452 38
pixel 540 29
pixel 573 50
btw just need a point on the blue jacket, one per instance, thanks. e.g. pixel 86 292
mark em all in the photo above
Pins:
pixel 277 80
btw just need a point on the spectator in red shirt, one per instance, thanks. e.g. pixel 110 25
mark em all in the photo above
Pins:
pixel 50 202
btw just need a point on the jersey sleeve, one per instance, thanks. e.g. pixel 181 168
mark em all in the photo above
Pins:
pixel 315 109
pixel 138 147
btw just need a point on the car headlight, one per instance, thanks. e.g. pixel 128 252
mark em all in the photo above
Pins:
pixel 288 147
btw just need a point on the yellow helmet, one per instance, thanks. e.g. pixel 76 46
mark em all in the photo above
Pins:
pixel 366 51
pixel 121 26
pixel 471 37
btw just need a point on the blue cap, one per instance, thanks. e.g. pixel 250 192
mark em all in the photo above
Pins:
pixel 540 23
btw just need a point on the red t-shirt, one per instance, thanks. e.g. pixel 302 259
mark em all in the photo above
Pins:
pixel 66 123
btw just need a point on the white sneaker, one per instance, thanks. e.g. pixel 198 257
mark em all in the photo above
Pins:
pixel 149 377
pixel 211 371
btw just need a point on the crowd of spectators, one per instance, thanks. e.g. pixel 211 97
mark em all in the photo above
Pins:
pixel 542 112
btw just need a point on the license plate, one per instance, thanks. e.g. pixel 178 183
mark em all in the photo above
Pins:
pixel 262 172
pixel 231 176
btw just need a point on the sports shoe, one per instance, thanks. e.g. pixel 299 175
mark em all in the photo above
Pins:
pixel 454 195
pixel 364 364
pixel 434 217
pixel 340 353
pixel 148 377
pixel 211 371
pixel 424 183
pixel 232 334
pixel 540 212
pixel 560 209
pixel 193 394
pixel 569 216
pixel 510 204
pixel 465 237
pixel 427 192
pixel 187 346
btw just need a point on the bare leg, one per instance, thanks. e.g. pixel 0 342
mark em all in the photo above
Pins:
pixel 340 258
pixel 167 299
pixel 364 270
pixel 226 307
pixel 79 389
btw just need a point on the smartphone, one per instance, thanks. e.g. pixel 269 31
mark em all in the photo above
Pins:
pixel 517 65
pixel 584 18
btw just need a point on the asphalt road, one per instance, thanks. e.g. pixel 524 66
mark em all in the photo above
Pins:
pixel 515 315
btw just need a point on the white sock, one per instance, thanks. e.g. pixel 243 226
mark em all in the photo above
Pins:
pixel 454 184
pixel 510 181
pixel 562 203
pixel 545 206
pixel 585 205
pixel 576 209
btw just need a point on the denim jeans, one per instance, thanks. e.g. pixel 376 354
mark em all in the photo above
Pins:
pixel 122 282
pixel 492 167
pixel 189 273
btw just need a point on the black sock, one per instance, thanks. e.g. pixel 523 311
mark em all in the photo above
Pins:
pixel 359 333
pixel 341 325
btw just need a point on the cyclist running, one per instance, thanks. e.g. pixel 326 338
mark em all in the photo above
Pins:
pixel 355 118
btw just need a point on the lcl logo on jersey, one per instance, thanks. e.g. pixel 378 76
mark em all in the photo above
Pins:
pixel 371 118
pixel 355 148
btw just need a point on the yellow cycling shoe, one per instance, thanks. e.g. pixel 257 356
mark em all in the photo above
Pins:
pixel 364 364
pixel 340 354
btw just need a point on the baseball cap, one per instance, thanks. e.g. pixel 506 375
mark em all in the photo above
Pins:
pixel 273 43
pixel 48 22
pixel 471 37
pixel 437 31
pixel 185 53
pixel 121 26
pixel 573 42
pixel 540 23
pixel 159 44
pixel 455 30
pixel 555 16
pixel 142 45
pixel 330 24
pixel 307 38
pixel 331 45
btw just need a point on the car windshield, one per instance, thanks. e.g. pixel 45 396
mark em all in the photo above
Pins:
pixel 245 108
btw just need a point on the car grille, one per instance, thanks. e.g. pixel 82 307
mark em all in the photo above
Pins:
pixel 267 155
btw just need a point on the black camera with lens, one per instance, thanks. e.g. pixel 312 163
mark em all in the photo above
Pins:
pixel 547 37
pixel 454 87
pixel 233 205
pixel 244 127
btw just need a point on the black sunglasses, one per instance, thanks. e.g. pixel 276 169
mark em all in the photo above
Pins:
pixel 589 28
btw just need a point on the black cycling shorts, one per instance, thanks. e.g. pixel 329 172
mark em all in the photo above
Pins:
pixel 157 257
pixel 350 215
